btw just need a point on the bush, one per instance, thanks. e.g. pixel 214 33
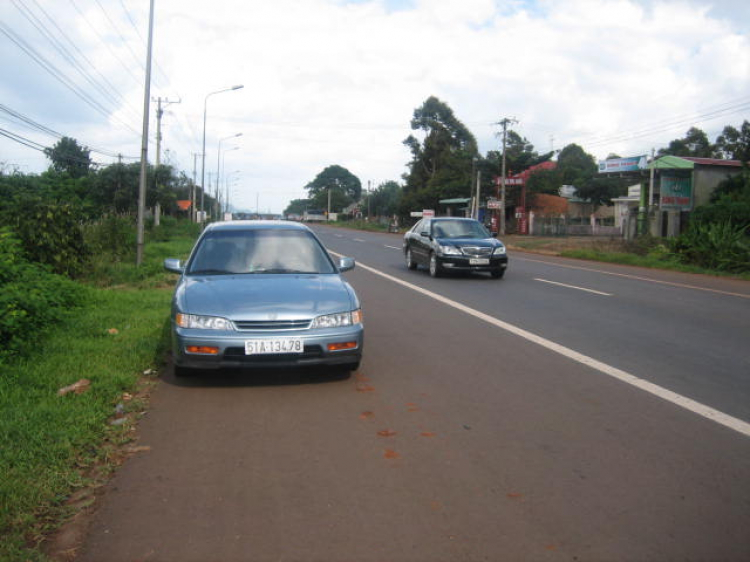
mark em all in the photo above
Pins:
pixel 31 298
pixel 50 234
pixel 719 246
pixel 112 235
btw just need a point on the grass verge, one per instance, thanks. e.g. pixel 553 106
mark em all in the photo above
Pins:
pixel 49 443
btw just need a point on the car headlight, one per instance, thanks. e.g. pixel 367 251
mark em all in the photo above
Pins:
pixel 499 251
pixel 338 320
pixel 203 322
pixel 450 251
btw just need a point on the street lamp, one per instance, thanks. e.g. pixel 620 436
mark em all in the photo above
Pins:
pixel 218 161
pixel 203 159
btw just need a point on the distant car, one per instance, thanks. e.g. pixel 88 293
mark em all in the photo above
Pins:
pixel 263 294
pixel 454 244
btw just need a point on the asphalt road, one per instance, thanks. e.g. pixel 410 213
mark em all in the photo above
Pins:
pixel 571 411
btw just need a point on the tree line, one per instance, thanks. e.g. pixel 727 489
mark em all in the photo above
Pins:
pixel 445 160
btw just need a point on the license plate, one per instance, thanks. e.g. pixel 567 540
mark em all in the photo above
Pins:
pixel 274 346
pixel 479 261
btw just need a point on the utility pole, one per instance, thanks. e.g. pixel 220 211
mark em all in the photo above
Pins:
pixel 140 234
pixel 159 113
pixel 504 122
pixel 193 215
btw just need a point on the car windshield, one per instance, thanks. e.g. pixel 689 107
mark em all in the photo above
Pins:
pixel 258 252
pixel 459 229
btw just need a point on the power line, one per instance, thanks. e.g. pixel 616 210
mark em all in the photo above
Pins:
pixel 31 124
pixel 57 74
pixel 104 86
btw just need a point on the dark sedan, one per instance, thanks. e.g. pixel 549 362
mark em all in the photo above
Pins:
pixel 454 244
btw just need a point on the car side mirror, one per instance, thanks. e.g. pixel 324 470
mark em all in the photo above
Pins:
pixel 174 265
pixel 346 264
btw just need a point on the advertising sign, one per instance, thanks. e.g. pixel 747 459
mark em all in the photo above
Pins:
pixel 493 203
pixel 615 165
pixel 428 213
pixel 676 193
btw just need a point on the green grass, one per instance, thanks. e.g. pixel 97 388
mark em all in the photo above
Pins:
pixel 650 261
pixel 47 442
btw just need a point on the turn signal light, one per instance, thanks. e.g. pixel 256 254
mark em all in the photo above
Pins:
pixel 341 346
pixel 205 350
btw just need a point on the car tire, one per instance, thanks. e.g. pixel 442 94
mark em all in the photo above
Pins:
pixel 410 263
pixel 435 270
pixel 497 274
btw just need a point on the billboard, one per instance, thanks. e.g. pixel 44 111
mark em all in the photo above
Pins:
pixel 676 192
pixel 616 165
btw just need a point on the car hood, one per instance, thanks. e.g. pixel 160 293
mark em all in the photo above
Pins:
pixel 480 242
pixel 262 296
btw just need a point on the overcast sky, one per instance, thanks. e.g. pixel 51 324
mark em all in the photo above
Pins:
pixel 336 82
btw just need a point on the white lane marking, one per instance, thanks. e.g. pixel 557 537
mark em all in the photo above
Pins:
pixel 358 240
pixel 392 247
pixel 573 287
pixel 639 278
pixel 689 404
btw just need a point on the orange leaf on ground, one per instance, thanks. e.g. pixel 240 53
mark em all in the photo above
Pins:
pixel 386 433
pixel 389 454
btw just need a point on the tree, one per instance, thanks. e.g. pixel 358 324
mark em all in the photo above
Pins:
pixel 385 199
pixel 343 186
pixel 297 207
pixel 441 163
pixel 68 156
pixel 695 144
pixel 733 144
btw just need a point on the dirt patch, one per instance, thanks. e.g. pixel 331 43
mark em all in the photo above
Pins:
pixel 64 542
pixel 555 246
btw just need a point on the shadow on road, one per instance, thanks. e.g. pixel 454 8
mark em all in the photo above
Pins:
pixel 249 377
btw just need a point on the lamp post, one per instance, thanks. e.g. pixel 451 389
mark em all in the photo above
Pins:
pixel 203 159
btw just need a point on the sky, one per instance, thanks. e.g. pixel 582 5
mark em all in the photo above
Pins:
pixel 336 82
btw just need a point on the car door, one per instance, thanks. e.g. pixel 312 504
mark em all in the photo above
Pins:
pixel 421 241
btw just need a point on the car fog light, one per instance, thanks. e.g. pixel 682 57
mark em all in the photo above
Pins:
pixel 342 345
pixel 202 349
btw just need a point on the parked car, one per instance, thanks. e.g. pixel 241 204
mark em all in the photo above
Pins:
pixel 262 294
pixel 454 244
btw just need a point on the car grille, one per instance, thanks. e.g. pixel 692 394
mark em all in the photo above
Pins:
pixel 272 324
pixel 238 353
pixel 478 251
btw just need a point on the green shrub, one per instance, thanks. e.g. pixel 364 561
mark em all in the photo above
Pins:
pixel 720 246
pixel 31 298
pixel 112 235
pixel 50 234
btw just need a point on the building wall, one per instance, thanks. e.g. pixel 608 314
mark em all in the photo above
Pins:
pixel 705 181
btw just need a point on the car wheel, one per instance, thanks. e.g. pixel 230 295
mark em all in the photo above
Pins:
pixel 410 263
pixel 434 266
pixel 497 274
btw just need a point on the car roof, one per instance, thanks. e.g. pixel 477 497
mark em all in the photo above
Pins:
pixel 256 225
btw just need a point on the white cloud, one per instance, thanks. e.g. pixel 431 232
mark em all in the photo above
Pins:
pixel 334 82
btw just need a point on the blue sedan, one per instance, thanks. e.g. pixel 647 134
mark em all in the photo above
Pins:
pixel 263 294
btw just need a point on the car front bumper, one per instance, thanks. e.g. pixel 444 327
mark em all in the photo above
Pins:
pixel 231 348
pixel 462 263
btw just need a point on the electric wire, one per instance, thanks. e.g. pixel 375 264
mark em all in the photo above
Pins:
pixel 112 96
